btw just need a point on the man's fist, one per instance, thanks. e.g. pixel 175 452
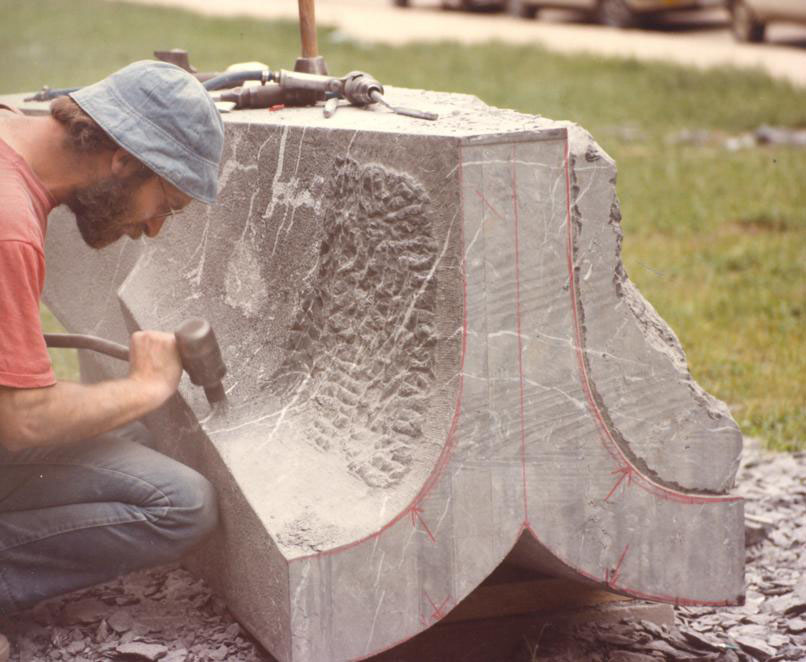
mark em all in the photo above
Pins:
pixel 154 363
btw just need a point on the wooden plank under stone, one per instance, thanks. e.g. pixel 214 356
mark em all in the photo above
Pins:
pixel 515 638
pixel 506 617
pixel 514 599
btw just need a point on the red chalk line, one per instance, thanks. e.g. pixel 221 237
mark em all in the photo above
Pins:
pixel 416 515
pixel 612 446
pixel 626 469
pixel 413 509
pixel 518 331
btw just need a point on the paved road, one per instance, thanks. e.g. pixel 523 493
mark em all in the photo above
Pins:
pixel 698 39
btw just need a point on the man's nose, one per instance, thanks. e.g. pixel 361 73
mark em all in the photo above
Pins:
pixel 153 226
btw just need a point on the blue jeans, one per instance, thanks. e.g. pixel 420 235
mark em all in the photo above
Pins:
pixel 74 516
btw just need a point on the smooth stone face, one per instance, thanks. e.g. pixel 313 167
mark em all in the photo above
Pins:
pixel 435 356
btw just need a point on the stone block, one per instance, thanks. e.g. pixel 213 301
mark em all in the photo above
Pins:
pixel 436 361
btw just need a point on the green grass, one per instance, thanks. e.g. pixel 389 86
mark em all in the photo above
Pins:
pixel 716 240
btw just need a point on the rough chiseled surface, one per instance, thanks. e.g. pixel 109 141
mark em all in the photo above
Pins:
pixel 436 360
pixel 363 389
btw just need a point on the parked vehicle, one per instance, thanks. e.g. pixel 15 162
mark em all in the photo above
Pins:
pixel 460 4
pixel 749 18
pixel 616 13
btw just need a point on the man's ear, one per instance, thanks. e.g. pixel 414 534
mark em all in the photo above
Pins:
pixel 123 163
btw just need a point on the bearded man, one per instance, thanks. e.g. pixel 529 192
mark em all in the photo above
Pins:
pixel 80 500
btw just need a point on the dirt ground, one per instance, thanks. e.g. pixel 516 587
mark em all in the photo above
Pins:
pixel 169 615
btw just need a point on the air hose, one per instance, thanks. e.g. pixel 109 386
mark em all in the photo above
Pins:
pixel 235 78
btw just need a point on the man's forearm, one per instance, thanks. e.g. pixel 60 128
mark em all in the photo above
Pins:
pixel 67 412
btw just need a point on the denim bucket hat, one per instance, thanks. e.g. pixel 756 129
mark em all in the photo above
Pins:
pixel 164 117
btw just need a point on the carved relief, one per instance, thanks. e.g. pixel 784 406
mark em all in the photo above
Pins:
pixel 361 349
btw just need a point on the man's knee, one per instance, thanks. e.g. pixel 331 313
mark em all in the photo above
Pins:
pixel 193 511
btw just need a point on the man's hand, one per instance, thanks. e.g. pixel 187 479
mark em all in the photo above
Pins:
pixel 154 363
pixel 68 412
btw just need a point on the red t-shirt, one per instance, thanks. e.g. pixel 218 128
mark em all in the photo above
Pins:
pixel 24 208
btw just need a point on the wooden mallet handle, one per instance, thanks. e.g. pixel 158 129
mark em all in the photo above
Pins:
pixel 307 28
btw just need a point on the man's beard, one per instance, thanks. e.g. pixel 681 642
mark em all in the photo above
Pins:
pixel 102 208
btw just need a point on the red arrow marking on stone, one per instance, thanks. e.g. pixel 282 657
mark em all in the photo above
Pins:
pixel 490 207
pixel 438 612
pixel 415 517
pixel 613 576
pixel 626 472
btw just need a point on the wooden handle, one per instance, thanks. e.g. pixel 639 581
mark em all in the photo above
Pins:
pixel 307 28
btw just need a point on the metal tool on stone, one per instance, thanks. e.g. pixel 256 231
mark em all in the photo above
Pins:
pixel 361 89
pixel 310 62
pixel 307 85
pixel 294 88
pixel 195 340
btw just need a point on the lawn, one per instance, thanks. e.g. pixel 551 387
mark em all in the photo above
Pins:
pixel 714 238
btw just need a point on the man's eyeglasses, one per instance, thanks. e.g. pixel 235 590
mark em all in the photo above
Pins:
pixel 171 211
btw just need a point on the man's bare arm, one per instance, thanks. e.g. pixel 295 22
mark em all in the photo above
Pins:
pixel 67 412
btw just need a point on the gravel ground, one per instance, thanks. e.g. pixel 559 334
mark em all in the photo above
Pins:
pixel 167 614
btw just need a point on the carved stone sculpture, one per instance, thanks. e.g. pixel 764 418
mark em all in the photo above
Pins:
pixel 436 361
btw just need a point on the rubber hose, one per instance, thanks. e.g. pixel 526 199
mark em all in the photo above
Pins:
pixel 235 78
pixel 78 341
pixel 50 94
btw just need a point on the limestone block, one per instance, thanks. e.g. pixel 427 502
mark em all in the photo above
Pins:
pixel 436 359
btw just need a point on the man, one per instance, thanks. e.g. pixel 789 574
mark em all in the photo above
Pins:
pixel 79 503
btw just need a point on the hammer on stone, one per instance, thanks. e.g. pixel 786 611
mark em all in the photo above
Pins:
pixel 195 340
pixel 310 62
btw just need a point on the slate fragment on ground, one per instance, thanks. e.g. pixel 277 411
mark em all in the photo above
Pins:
pixel 163 614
